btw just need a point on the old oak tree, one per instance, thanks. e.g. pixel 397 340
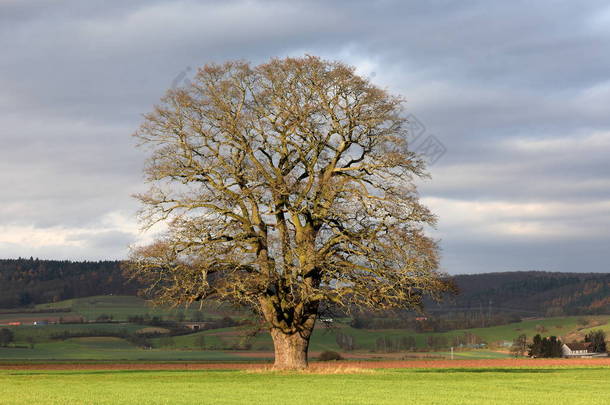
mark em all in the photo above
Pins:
pixel 285 186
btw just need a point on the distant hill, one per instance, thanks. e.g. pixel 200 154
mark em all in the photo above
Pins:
pixel 25 282
pixel 536 293
pixel 531 293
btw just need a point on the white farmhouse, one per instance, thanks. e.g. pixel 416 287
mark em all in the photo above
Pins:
pixel 582 350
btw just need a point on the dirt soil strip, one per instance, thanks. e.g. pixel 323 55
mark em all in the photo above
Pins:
pixel 605 362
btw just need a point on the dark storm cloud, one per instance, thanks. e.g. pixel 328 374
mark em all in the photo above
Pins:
pixel 518 92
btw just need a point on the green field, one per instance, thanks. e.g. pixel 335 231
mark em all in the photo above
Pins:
pixel 78 349
pixel 420 386
pixel 120 308
pixel 114 340
pixel 324 338
pixel 218 342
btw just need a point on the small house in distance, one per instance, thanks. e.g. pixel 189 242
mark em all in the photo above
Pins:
pixel 580 350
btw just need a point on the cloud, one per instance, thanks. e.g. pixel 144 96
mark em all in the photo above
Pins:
pixel 516 91
pixel 516 221
pixel 106 237
pixel 589 144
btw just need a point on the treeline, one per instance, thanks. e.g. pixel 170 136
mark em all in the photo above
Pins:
pixel 436 322
pixel 25 282
pixel 529 293
pixel 497 299
pixel 484 299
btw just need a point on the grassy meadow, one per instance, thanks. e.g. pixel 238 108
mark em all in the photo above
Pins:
pixel 121 307
pixel 110 341
pixel 422 386
pixel 324 338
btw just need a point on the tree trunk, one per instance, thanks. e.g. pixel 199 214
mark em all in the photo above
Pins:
pixel 290 350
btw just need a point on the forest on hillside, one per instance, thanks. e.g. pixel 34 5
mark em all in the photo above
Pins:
pixel 26 282
pixel 531 293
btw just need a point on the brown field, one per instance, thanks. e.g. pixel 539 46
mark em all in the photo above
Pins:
pixel 486 363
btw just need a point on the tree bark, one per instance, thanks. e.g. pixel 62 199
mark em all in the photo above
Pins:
pixel 290 349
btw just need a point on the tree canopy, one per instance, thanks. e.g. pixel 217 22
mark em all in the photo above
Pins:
pixel 285 186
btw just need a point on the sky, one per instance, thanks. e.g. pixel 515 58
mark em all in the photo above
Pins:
pixel 509 102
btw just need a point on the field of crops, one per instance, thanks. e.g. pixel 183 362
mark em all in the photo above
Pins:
pixel 541 385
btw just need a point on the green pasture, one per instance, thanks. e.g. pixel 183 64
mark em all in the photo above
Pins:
pixel 324 338
pixel 120 308
pixel 44 333
pixel 107 349
pixel 216 342
pixel 556 386
pixel 560 326
pixel 183 348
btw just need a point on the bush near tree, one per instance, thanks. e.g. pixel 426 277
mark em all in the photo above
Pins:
pixel 329 355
